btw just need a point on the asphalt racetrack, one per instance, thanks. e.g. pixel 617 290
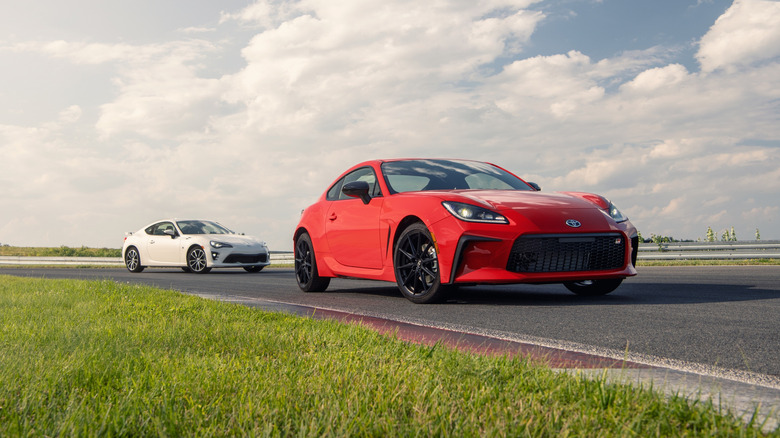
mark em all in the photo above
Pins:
pixel 723 317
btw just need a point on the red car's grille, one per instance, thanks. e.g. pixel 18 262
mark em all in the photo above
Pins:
pixel 246 258
pixel 567 253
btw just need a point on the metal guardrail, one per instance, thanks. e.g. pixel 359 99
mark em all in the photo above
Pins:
pixel 756 249
pixel 744 250
pixel 101 261
pixel 277 258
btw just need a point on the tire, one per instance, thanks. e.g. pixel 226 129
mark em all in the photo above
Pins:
pixel 594 287
pixel 186 269
pixel 416 266
pixel 306 273
pixel 196 260
pixel 253 268
pixel 133 260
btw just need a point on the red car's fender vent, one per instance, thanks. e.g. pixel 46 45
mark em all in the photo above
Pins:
pixel 567 253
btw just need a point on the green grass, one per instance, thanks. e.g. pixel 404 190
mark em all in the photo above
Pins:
pixel 99 358
pixel 62 251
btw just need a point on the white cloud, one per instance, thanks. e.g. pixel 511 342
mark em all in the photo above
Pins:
pixel 766 213
pixel 71 114
pixel 197 30
pixel 655 79
pixel 720 200
pixel 674 149
pixel 91 53
pixel 160 101
pixel 349 50
pixel 559 85
pixel 746 33
pixel 326 84
pixel 631 62
pixel 262 13
pixel 675 207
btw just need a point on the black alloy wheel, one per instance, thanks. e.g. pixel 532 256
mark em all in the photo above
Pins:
pixel 594 287
pixel 306 273
pixel 196 260
pixel 417 266
pixel 133 260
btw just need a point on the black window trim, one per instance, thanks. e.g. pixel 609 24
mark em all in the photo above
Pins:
pixel 340 183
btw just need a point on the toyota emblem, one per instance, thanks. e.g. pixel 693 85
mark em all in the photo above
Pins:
pixel 573 223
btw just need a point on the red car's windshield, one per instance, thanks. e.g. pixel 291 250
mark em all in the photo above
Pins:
pixel 417 175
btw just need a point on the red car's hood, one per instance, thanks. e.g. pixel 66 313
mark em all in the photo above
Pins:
pixel 519 200
pixel 546 211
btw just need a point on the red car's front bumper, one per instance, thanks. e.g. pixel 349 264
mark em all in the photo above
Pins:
pixel 478 253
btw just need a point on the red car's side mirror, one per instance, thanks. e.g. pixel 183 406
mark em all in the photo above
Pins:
pixel 357 189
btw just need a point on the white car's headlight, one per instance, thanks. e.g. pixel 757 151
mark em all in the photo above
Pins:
pixel 217 244
pixel 472 213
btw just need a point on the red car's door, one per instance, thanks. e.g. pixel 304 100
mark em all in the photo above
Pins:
pixel 353 232
pixel 352 227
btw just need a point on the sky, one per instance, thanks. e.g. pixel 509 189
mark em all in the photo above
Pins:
pixel 116 114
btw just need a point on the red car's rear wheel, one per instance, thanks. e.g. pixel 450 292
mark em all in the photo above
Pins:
pixel 306 273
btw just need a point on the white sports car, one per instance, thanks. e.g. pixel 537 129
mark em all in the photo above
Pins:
pixel 194 245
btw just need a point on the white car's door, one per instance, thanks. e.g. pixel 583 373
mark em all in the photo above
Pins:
pixel 164 249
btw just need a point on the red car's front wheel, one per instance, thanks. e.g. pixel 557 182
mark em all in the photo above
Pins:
pixel 417 266
pixel 594 287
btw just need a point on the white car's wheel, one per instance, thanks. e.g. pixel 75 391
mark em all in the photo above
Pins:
pixel 196 260
pixel 133 260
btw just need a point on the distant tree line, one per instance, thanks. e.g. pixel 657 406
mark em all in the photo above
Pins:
pixel 62 251
pixel 727 235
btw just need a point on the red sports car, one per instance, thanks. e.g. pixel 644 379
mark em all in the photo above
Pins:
pixel 431 225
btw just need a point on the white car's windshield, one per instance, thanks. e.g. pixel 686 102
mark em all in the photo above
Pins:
pixel 202 227
pixel 417 175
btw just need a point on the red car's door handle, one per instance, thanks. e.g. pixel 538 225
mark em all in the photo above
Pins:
pixel 333 216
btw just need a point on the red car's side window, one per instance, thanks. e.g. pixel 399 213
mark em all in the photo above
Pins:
pixel 363 174
pixel 333 192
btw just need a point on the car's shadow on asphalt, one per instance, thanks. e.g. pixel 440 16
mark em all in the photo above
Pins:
pixel 558 295
pixel 631 292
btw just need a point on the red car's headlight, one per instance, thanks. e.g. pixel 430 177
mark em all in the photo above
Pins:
pixel 606 206
pixel 615 214
pixel 472 213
